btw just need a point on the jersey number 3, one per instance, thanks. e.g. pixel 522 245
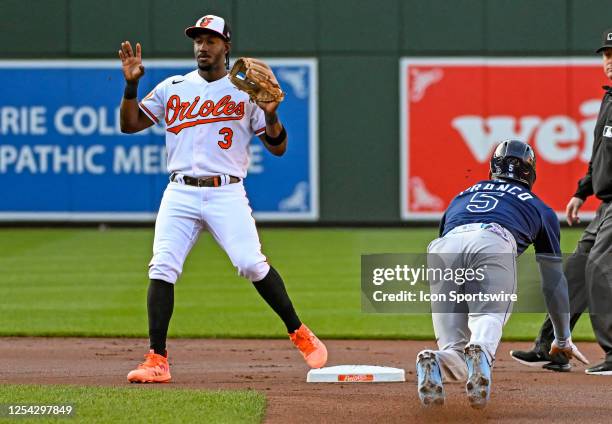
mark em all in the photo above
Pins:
pixel 227 139
pixel 483 202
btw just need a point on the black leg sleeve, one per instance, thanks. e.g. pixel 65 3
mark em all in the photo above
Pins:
pixel 272 289
pixel 160 304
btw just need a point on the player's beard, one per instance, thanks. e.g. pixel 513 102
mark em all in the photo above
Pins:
pixel 210 67
pixel 213 64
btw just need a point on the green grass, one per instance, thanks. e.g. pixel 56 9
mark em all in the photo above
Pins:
pixel 137 404
pixel 84 282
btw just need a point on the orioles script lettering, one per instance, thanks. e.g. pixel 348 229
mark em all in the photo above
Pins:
pixel 224 110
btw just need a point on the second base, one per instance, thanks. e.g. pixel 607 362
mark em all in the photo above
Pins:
pixel 356 374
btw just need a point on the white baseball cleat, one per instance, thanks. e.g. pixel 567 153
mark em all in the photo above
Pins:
pixel 478 386
pixel 429 379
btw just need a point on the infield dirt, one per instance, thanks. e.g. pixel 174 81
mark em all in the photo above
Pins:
pixel 520 394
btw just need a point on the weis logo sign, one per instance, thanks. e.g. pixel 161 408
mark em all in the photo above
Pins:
pixel 558 139
pixel 455 111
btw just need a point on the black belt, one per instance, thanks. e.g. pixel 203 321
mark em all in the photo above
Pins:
pixel 216 181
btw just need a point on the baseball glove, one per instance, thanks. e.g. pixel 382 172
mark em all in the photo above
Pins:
pixel 256 79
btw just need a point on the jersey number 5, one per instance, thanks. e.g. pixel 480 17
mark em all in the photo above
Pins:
pixel 483 202
pixel 227 139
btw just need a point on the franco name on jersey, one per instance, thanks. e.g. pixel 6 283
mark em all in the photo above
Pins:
pixel 499 187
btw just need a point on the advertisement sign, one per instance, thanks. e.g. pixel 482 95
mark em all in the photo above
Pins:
pixel 64 158
pixel 455 111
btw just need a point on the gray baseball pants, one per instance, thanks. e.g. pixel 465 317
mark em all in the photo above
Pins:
pixel 471 246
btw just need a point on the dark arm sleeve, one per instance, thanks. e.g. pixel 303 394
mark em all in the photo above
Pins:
pixel 585 185
pixel 554 288
pixel 554 285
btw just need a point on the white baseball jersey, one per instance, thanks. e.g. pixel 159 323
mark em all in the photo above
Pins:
pixel 208 124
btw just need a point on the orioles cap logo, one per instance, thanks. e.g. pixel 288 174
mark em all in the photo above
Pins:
pixel 206 21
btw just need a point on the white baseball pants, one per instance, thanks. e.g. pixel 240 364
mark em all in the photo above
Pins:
pixel 224 211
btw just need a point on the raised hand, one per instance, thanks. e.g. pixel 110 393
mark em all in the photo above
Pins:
pixel 131 63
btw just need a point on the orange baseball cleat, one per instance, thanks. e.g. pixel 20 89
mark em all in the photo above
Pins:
pixel 154 369
pixel 312 349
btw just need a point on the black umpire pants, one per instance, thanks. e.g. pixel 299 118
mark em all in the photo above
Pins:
pixel 589 277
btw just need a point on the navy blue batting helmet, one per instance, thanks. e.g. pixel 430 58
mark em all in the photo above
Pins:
pixel 514 160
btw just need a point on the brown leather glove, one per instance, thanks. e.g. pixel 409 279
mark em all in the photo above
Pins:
pixel 256 79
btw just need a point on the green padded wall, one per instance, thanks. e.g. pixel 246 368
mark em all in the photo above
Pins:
pixel 363 26
pixel 358 144
pixel 282 27
pixel 588 20
pixel 526 26
pixel 39 30
pixel 459 27
pixel 358 44
pixel 98 27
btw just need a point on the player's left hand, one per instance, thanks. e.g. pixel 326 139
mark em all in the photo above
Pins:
pixel 268 107
pixel 257 79
pixel 569 351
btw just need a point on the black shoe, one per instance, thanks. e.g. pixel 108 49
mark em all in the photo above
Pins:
pixel 531 358
pixel 541 359
pixel 605 368
pixel 557 367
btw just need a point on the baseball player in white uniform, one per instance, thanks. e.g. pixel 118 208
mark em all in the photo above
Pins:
pixel 209 124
